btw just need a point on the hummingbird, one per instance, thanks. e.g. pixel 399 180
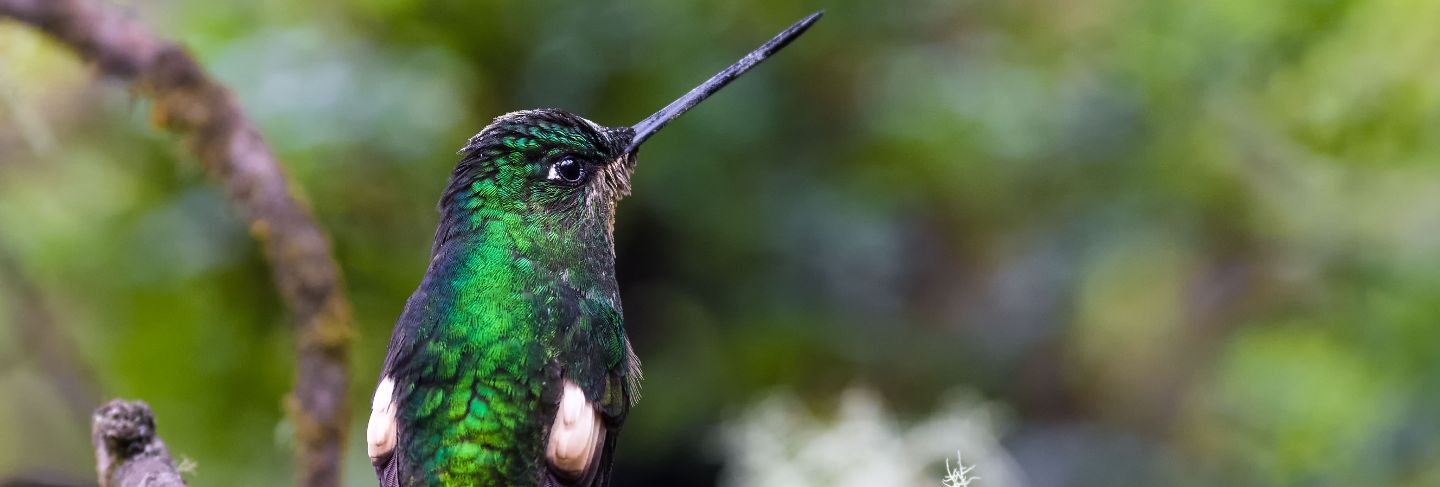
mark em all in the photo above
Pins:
pixel 509 364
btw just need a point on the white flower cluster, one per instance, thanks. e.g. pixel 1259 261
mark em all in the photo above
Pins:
pixel 779 441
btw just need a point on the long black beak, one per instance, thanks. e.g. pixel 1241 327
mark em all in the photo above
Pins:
pixel 653 123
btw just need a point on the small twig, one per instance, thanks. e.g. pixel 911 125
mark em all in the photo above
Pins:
pixel 187 101
pixel 128 453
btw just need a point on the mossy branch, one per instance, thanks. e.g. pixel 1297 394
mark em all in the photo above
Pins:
pixel 189 102
pixel 128 452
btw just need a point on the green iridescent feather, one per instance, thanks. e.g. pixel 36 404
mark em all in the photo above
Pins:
pixel 521 285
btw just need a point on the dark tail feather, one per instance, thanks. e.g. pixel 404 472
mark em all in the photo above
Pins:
pixel 388 470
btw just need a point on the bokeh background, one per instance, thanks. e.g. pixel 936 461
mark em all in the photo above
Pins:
pixel 1077 242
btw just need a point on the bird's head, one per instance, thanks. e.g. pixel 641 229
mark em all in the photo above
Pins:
pixel 548 165
pixel 559 173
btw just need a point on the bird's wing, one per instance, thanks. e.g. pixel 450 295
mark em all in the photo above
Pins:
pixel 381 434
pixel 588 392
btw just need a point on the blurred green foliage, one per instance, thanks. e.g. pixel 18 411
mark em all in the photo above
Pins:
pixel 1184 243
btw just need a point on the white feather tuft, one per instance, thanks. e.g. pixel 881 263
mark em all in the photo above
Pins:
pixel 380 433
pixel 576 434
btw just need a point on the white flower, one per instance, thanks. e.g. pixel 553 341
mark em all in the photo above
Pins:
pixel 960 475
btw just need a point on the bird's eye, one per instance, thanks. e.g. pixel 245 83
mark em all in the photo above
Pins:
pixel 567 170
